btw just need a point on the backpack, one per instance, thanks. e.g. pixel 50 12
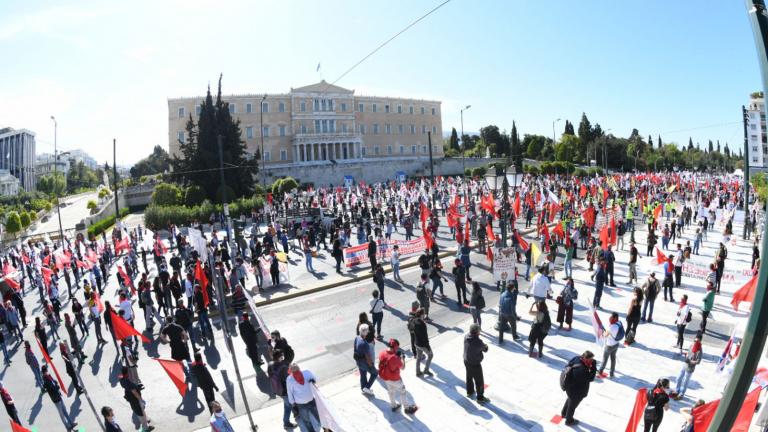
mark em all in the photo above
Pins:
pixel 356 355
pixel 565 376
pixel 480 302
pixel 621 333
pixel 689 317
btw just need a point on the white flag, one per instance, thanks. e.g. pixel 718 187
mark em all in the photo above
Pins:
pixel 329 418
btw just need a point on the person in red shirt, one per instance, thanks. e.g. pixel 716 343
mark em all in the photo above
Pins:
pixel 391 362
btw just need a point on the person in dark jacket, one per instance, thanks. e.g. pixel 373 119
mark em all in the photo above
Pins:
pixel 280 343
pixel 109 420
pixel 422 344
pixel 508 311
pixel 250 336
pixel 582 372
pixel 177 337
pixel 54 392
pixel 459 280
pixel 372 253
pixel 473 358
pixel 70 367
pixel 204 379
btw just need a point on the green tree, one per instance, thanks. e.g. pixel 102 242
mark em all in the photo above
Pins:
pixel 727 151
pixel 199 161
pixel 516 148
pixel 690 144
pixel 52 184
pixel 91 205
pixel 24 219
pixel 659 141
pixel 534 144
pixel 718 146
pixel 711 147
pixel 492 137
pixel 454 142
pixel 166 194
pixel 157 162
pixel 568 128
pixel 586 136
pixel 568 148
pixel 194 195
pixel 12 222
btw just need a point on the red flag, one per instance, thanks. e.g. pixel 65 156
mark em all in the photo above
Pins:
pixel 47 272
pixel 25 258
pixel 122 244
pixel 91 256
pixel 8 268
pixel 53 366
pixel 11 282
pixel 15 427
pixel 657 212
pixel 489 232
pixel 545 231
pixel 553 210
pixel 488 204
pixel 160 248
pixel 703 415
pixel 558 230
pixel 428 240
pixel 82 264
pixel 467 230
pixel 425 213
pixel 604 237
pixel 641 400
pixel 489 254
pixel 660 257
pixel 589 216
pixel 745 294
pixel 516 207
pixel 47 260
pixel 583 190
pixel 612 232
pixel 200 277
pixel 523 244
pixel 123 329
pixel 126 279
pixel 175 372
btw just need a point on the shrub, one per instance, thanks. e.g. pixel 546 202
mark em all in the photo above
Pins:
pixel 259 190
pixel 104 192
pixel 229 193
pixel 48 206
pixel 13 222
pixel 32 216
pixel 194 195
pixel 478 172
pixel 468 172
pixel 580 172
pixel 592 171
pixel 531 169
pixel 91 205
pixel 161 216
pixel 24 218
pixel 99 227
pixel 288 184
pixel 166 194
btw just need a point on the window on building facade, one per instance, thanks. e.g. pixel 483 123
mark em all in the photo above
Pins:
pixel 267 156
pixel 389 149
pixel 181 112
pixel 283 155
pixel 413 129
pixel 754 148
pixel 400 129
pixel 362 129
pixel 232 108
pixel 360 108
pixel 402 150
pixel 344 128
pixel 754 137
pixel 754 159
pixel 434 130
pixel 317 105
pixel 249 132
pixel 317 126
pixel 376 151
pixel 265 107
pixel 410 110
pixel 386 108
pixel 423 149
pixel 362 148
pixel 373 108
pixel 249 108
pixel 330 104
pixel 332 126
pixel 323 105
pixel 265 131
pixel 197 110
pixel 303 106
pixel 281 107
pixel 399 109
pixel 282 130
pixel 422 110
pixel 752 115
pixel 303 127
pixel 753 126
pixel 375 128
pixel 423 130
pixel 388 129
pixel 180 136
pixel 343 107
pixel 434 111
pixel 413 149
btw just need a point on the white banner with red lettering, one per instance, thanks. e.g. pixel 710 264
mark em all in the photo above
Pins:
pixel 357 255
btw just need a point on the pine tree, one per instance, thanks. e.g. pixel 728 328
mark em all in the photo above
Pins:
pixel 568 128
pixel 650 141
pixel 727 150
pixel 586 133
pixel 659 142
pixel 711 147
pixel 515 149
pixel 454 142
pixel 690 144
pixel 718 146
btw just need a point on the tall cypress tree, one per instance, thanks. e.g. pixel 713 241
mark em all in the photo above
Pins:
pixel 690 144
pixel 711 147
pixel 515 149
pixel 718 146
pixel 587 135
pixel 454 142
pixel 659 137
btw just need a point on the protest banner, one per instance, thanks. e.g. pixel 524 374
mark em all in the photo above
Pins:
pixel 504 260
pixel 357 255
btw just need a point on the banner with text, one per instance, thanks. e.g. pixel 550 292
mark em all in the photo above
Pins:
pixel 504 260
pixel 357 255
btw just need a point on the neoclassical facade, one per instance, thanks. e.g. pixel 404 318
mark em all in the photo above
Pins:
pixel 323 123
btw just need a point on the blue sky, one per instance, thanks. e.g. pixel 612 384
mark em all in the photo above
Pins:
pixel 105 69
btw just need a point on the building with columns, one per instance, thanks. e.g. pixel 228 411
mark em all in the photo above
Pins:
pixel 323 124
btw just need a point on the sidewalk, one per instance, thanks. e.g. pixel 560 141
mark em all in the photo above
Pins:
pixel 524 392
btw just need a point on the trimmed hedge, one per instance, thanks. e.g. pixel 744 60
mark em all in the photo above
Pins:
pixel 161 216
pixel 104 224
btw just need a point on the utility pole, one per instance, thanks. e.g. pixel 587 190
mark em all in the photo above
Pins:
pixel 114 173
pixel 463 144
pixel 431 167
pixel 746 170
pixel 55 163
pixel 756 330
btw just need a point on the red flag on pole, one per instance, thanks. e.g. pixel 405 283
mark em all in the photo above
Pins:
pixel 123 329
pixel 489 254
pixel 516 206
pixel 523 244
pixel 489 232
pixel 657 212
pixel 122 244
pixel 660 257
pixel 744 294
pixel 175 372
pixel 589 216
pixel 613 231
pixel 11 282
pixel 47 272
pixel 641 400
pixel 200 277
pixel 425 213
pixel 126 279
pixel 15 427
pixel 47 260
pixel 604 237
pixel 53 366
pixel 703 415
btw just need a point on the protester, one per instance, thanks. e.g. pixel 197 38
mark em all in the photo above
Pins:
pixel 54 392
pixel 613 335
pixel 682 320
pixel 575 380
pixel 650 289
pixel 391 362
pixel 299 390
pixel 477 304
pixel 473 358
pixel 658 402
pixel 364 356
pixel 204 380
pixel 691 359
pixel 539 328
pixel 508 311
pixel 565 303
pixel 423 349
pixel 219 421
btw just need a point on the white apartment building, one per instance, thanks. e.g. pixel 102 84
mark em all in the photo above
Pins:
pixel 757 138
pixel 17 155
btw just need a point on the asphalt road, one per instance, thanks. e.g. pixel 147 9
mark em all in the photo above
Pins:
pixel 71 214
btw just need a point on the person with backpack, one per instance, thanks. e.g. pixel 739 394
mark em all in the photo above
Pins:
pixel 377 313
pixel 460 282
pixel 684 316
pixel 391 362
pixel 473 358
pixel 539 328
pixel 650 289
pixel 378 279
pixel 691 359
pixel 565 304
pixel 423 349
pixel 278 372
pixel 613 334
pixel 658 402
pixel 574 381
pixel 633 315
pixel 678 262
pixel 476 304
pixel 364 356
pixel 508 311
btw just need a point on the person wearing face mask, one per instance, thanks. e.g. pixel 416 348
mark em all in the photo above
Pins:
pixel 658 402
pixel 613 334
pixel 299 388
pixel 692 358
pixel 683 318
pixel 575 380
pixel 219 420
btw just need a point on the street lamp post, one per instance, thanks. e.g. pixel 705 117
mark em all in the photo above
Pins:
pixel 261 126
pixel 55 162
pixel 463 144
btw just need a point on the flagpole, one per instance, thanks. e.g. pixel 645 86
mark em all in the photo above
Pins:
pixel 756 332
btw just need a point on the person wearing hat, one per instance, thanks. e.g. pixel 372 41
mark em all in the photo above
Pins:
pixel 391 362
pixel 650 289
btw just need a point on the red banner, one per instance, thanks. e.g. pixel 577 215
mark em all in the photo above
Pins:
pixel 357 255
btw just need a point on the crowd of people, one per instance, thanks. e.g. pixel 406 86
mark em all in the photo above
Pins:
pixel 177 279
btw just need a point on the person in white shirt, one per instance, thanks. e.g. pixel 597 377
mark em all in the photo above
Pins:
pixel 678 262
pixel 299 390
pixel 682 321
pixel 127 308
pixel 611 335
pixel 189 288
pixel 377 313
pixel 540 287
